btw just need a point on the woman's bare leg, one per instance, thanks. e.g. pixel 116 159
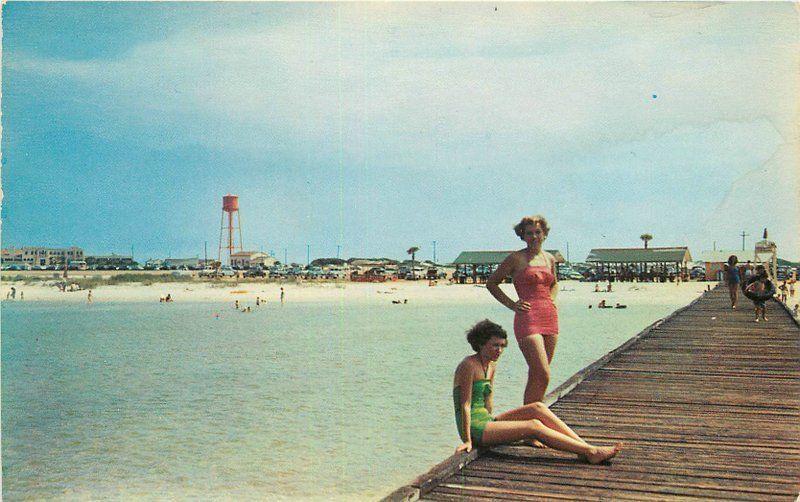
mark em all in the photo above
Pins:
pixel 733 290
pixel 550 346
pixel 533 348
pixel 539 412
pixel 501 432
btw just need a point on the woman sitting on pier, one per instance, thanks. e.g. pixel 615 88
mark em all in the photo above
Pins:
pixel 472 397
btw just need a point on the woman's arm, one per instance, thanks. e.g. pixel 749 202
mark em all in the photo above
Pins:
pixel 464 381
pixel 490 400
pixel 493 285
pixel 554 287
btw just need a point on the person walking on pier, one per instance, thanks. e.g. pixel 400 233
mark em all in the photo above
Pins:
pixel 472 398
pixel 533 271
pixel 758 287
pixel 732 279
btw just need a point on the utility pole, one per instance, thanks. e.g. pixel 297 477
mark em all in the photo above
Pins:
pixel 284 256
pixel 308 255
pixel 715 245
pixel 568 253
pixel 205 254
pixel 434 251
pixel 743 236
pixel 338 248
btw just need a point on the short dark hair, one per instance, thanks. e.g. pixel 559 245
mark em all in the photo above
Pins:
pixel 732 259
pixel 482 332
pixel 761 271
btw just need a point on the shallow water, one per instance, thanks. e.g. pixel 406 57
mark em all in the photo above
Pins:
pixel 311 401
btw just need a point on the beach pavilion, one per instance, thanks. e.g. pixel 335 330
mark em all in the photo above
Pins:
pixel 480 264
pixel 642 263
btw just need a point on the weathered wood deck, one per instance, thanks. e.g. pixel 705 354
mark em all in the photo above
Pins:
pixel 707 403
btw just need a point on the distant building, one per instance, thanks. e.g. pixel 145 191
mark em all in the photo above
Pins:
pixel 42 256
pixel 111 260
pixel 250 259
pixel 479 264
pixel 494 257
pixel 663 255
pixel 637 261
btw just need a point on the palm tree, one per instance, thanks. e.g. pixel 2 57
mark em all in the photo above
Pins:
pixel 646 238
pixel 413 251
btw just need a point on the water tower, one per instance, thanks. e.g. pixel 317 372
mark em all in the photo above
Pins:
pixel 227 241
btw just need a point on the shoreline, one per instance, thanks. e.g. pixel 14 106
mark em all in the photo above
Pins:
pixel 416 292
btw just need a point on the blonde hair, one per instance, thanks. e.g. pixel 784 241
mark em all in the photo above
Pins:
pixel 519 228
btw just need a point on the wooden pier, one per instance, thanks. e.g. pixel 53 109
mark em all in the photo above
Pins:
pixel 706 401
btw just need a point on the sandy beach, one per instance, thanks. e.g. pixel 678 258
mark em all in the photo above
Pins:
pixel 630 294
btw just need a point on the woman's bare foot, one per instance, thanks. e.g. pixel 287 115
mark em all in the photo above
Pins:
pixel 535 443
pixel 603 453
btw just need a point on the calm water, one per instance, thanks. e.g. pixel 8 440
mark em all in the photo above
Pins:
pixel 307 400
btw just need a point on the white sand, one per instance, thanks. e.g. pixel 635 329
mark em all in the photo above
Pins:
pixel 416 291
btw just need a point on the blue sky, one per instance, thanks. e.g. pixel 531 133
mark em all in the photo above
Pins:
pixel 380 126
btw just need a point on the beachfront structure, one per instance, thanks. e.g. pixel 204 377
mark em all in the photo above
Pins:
pixel 644 264
pixel 250 259
pixel 112 260
pixel 41 256
pixel 715 261
pixel 480 264
pixel 227 240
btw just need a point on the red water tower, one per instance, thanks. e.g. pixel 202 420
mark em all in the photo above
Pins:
pixel 230 207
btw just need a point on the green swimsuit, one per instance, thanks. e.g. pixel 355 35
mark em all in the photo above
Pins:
pixel 479 415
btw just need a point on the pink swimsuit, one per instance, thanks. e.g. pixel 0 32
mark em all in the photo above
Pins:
pixel 533 286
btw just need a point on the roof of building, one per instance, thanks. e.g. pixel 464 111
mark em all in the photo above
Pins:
pixel 639 255
pixel 494 257
pixel 248 254
pixel 721 256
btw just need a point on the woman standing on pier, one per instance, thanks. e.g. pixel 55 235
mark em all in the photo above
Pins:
pixel 472 399
pixel 533 272
pixel 732 279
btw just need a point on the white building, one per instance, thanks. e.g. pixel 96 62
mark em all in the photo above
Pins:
pixel 250 259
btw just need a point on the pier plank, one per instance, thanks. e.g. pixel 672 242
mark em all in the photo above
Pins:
pixel 708 405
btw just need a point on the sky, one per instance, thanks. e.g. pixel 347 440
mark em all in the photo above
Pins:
pixel 365 129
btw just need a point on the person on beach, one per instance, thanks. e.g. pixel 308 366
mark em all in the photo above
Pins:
pixel 759 285
pixel 533 272
pixel 283 295
pixel 748 270
pixel 89 297
pixel 472 399
pixel 784 287
pixel 732 279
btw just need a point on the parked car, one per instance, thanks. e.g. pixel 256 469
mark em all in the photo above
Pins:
pixel 256 272
pixel 226 271
pixel 207 272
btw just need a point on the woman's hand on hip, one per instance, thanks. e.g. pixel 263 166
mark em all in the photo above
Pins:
pixel 521 306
